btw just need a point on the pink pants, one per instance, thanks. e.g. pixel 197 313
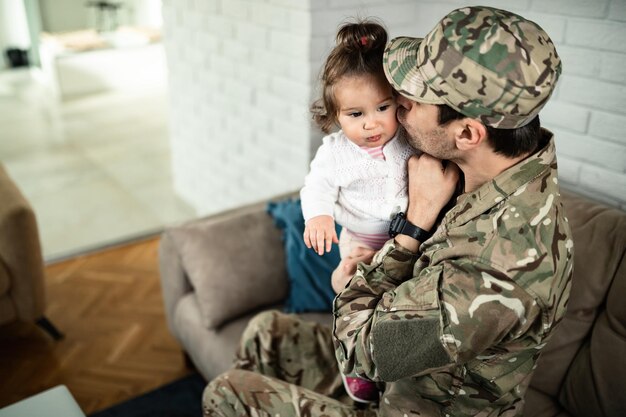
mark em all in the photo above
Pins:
pixel 348 242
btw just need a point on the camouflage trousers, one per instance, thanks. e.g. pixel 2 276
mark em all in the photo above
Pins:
pixel 285 367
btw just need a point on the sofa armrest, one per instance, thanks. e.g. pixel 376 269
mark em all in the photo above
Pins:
pixel 233 263
pixel 578 370
pixel 21 259
pixel 174 281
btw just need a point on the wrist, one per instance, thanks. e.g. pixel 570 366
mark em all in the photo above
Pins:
pixel 406 233
pixel 424 218
pixel 407 243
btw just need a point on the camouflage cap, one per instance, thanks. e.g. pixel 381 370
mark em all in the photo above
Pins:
pixel 486 63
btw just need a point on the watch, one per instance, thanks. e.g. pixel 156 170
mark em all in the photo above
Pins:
pixel 401 226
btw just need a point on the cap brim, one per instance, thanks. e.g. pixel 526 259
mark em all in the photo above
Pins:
pixel 400 65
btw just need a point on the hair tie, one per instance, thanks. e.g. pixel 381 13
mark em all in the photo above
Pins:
pixel 363 40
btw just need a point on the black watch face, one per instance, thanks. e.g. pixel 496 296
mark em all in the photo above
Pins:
pixel 400 225
pixel 397 224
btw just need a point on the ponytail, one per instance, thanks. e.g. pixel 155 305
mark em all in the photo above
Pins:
pixel 358 51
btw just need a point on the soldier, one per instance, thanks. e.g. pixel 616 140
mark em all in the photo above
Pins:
pixel 450 316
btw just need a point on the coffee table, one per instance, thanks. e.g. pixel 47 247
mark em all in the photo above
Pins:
pixel 56 401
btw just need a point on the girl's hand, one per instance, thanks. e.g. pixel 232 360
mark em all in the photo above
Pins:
pixel 320 234
pixel 347 267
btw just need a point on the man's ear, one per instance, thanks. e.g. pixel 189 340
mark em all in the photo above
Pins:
pixel 469 134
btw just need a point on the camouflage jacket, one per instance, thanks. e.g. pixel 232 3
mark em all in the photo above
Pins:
pixel 456 330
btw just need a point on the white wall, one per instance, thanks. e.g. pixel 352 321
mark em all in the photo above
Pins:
pixel 243 72
pixel 239 90
pixel 145 13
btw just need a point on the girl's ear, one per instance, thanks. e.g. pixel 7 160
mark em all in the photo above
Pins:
pixel 469 134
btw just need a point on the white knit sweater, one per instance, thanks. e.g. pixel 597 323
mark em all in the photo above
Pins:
pixel 360 192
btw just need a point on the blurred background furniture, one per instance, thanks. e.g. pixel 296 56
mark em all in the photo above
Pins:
pixel 214 268
pixel 56 401
pixel 22 292
pixel 82 62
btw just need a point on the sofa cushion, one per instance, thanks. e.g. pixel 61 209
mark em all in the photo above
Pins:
pixel 5 278
pixel 538 404
pixel 575 366
pixel 222 259
pixel 309 274
pixel 7 310
pixel 594 384
pixel 213 350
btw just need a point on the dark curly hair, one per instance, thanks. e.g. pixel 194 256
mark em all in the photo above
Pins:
pixel 508 142
pixel 358 51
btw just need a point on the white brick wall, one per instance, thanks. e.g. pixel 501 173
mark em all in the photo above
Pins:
pixel 243 72
pixel 238 69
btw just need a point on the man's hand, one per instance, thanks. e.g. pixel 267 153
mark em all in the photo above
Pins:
pixel 431 185
pixel 347 267
pixel 320 234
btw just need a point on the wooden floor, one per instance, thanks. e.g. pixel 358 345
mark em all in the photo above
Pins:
pixel 116 345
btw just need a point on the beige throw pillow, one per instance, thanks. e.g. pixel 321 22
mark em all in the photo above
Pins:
pixel 235 264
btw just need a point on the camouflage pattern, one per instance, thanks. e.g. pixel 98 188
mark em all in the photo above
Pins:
pixel 285 367
pixel 486 63
pixel 457 331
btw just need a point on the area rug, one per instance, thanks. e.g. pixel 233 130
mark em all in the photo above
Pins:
pixel 182 398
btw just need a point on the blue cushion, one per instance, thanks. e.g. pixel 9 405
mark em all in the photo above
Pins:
pixel 309 274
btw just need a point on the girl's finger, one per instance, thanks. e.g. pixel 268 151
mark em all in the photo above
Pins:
pixel 320 242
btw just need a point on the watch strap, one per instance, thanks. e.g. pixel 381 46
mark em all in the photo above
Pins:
pixel 401 226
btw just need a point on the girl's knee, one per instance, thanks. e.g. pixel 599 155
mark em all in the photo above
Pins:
pixel 267 322
pixel 217 398
pixel 262 321
pixel 213 398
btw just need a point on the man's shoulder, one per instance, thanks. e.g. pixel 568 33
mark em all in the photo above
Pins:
pixel 528 237
pixel 526 217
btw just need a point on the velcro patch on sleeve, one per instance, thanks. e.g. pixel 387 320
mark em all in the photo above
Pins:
pixel 406 346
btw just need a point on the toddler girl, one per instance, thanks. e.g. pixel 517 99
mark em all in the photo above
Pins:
pixel 358 176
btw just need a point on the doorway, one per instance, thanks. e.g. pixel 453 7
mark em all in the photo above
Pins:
pixel 85 133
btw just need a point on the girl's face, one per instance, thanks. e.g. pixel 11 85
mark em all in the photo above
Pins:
pixel 367 110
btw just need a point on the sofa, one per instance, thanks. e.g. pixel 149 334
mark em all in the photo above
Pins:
pixel 219 271
pixel 22 291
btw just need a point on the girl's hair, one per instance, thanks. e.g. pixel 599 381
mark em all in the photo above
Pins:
pixel 358 51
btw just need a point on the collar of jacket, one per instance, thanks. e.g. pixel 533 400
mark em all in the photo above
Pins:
pixel 512 181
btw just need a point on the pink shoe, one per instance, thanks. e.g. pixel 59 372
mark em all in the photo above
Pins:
pixel 359 389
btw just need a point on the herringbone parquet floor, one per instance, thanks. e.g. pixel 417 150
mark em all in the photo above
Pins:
pixel 116 345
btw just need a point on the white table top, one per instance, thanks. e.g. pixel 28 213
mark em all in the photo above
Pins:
pixel 56 401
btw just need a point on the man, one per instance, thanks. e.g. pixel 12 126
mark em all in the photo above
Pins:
pixel 451 315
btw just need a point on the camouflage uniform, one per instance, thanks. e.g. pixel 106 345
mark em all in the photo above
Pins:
pixel 454 331
pixel 457 329
pixel 284 367
pixel 486 63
